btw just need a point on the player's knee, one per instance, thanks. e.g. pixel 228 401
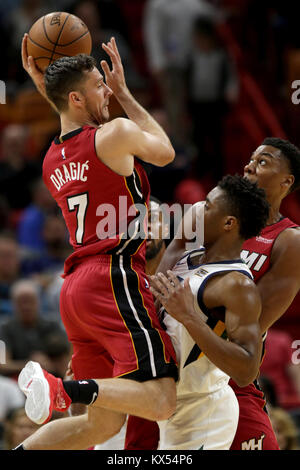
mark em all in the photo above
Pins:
pixel 104 428
pixel 165 402
pixel 166 407
pixel 108 430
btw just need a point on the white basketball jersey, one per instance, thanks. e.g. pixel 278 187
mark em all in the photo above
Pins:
pixel 197 374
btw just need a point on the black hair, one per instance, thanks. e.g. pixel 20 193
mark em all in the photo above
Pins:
pixel 247 202
pixel 292 155
pixel 65 75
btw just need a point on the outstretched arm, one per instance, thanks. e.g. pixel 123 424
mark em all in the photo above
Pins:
pixel 141 135
pixel 240 356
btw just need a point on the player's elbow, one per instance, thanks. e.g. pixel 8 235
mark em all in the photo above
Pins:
pixel 243 380
pixel 165 409
pixel 246 374
pixel 166 156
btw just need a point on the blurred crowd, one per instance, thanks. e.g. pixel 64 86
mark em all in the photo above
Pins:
pixel 217 75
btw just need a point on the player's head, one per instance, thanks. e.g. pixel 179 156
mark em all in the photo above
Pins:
pixel 235 207
pixel 75 84
pixel 275 166
pixel 157 229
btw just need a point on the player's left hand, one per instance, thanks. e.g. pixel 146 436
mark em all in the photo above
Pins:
pixel 177 298
pixel 30 67
pixel 36 75
pixel 114 78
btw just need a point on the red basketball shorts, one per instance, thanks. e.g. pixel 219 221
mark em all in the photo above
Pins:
pixel 109 315
pixel 255 431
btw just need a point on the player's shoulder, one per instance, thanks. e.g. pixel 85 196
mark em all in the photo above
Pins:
pixel 233 284
pixel 238 279
pixel 117 127
pixel 288 241
pixel 238 290
pixel 233 289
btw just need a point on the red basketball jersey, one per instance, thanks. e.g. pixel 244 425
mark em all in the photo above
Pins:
pixel 104 212
pixel 257 250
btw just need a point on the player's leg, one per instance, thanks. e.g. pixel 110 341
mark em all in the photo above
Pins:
pixel 255 431
pixel 79 432
pixel 149 399
pixel 141 434
pixel 123 318
pixel 154 399
pixel 201 422
pixel 138 348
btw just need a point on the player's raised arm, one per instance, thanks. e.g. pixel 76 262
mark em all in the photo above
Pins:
pixel 142 135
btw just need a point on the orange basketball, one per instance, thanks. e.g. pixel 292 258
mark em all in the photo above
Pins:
pixel 57 35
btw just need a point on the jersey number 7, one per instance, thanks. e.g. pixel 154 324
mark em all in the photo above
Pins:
pixel 79 201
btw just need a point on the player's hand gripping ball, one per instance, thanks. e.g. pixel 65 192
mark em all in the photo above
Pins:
pixel 57 35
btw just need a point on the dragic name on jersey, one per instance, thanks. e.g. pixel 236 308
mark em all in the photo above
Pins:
pixel 69 172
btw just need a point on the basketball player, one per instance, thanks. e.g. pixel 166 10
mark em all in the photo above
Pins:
pixel 106 305
pixel 274 261
pixel 213 337
pixel 158 231
pixel 273 258
pixel 142 434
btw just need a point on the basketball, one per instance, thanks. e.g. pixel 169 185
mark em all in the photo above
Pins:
pixel 57 35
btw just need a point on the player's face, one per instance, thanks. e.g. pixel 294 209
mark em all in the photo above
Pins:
pixel 215 216
pixel 268 169
pixel 154 242
pixel 97 95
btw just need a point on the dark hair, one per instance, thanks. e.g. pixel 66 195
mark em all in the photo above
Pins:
pixel 247 202
pixel 64 75
pixel 291 153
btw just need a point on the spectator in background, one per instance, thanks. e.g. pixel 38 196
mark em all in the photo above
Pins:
pixel 90 12
pixel 45 264
pixel 277 366
pixel 17 428
pixel 168 33
pixel 9 271
pixel 175 171
pixel 21 18
pixel 25 334
pixel 16 172
pixel 58 350
pixel 4 214
pixel 285 429
pixel 11 396
pixel 31 223
pixel 212 86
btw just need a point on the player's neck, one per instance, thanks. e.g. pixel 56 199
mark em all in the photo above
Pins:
pixel 70 123
pixel 274 201
pixel 274 215
pixel 222 250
